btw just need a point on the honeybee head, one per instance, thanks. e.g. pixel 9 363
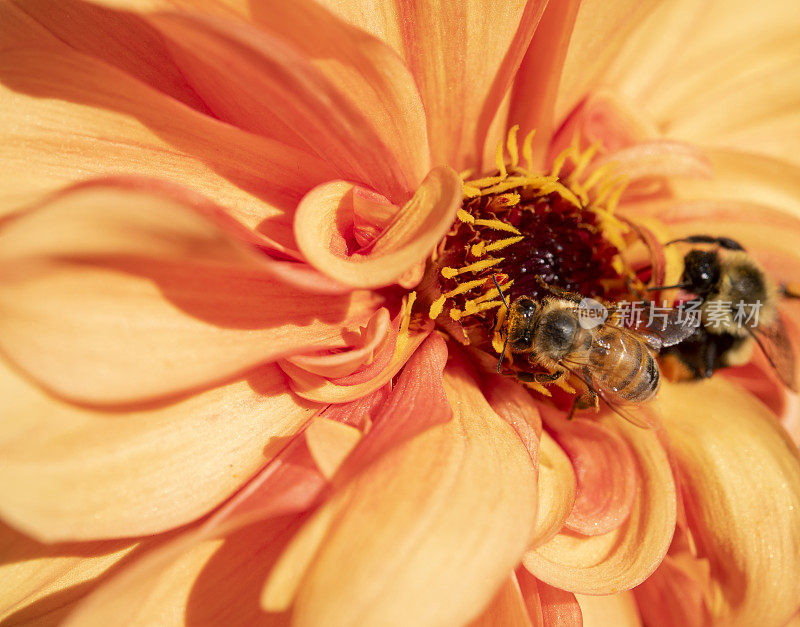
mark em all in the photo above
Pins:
pixel 555 333
pixel 701 270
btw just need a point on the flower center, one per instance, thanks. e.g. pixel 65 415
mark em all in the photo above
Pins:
pixel 527 233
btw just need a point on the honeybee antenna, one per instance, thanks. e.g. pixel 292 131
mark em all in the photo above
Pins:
pixel 505 344
pixel 499 291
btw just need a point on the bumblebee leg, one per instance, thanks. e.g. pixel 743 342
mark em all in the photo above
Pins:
pixel 709 359
pixel 557 291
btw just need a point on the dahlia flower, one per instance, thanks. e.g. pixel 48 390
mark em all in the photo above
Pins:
pixel 249 330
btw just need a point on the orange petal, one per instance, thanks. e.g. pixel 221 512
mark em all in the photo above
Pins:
pixel 623 558
pixel 442 518
pixel 72 473
pixel 362 351
pixel 742 492
pixel 658 158
pixel 536 82
pixel 464 56
pixel 342 94
pixel 734 79
pixel 330 442
pixel 507 608
pixel 117 38
pixel 557 486
pixel 615 609
pixel 559 607
pixel 114 295
pixel 606 473
pixel 409 239
pixel 194 579
pixel 71 117
pixel 517 407
pixel 601 29
pixel 41 583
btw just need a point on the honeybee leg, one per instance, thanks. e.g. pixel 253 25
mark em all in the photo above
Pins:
pixel 557 291
pixel 722 242
pixel 585 400
pixel 548 377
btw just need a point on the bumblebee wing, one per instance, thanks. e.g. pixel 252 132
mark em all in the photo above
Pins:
pixel 639 415
pixel 774 343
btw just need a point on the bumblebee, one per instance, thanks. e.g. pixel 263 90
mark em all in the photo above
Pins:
pixel 737 305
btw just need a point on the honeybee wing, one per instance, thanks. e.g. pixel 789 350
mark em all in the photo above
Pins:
pixel 659 327
pixel 774 343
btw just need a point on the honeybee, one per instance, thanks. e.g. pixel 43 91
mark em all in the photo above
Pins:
pixel 730 286
pixel 615 363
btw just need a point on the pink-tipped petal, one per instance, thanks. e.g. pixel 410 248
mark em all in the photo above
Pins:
pixel 622 558
pixel 113 293
pixel 411 236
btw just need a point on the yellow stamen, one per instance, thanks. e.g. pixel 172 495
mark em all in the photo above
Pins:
pixel 527 149
pixel 471 308
pixel 465 287
pixel 499 160
pixel 478 266
pixel 436 308
pixel 561 159
pixel 584 159
pixel 511 144
pixel 502 243
pixel 497 225
pixel 595 176
pixel 478 249
pixel 465 174
pixel 465 216
pixel 492 293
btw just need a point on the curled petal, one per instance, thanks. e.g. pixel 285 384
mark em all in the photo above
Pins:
pixel 410 237
pixel 622 558
pixel 513 403
pixel 90 474
pixel 606 473
pixel 557 486
pixel 742 494
pixel 113 293
pixel 362 351
pixel 442 519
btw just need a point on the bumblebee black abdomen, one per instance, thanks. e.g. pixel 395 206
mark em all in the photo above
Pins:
pixel 623 364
